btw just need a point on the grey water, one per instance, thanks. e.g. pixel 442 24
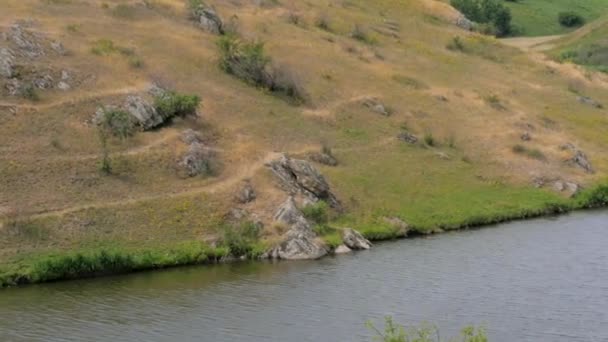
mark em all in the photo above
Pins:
pixel 543 280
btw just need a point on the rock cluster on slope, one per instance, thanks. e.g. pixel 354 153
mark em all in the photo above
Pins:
pixel 208 19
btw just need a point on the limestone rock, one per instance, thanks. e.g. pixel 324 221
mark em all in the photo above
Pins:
pixel 464 23
pixel 197 161
pixel 589 101
pixel 208 19
pixel 323 158
pixel 65 75
pixel 571 189
pixel 26 41
pixel 145 114
pixel 580 160
pixel 375 106
pixel 62 85
pixel 57 46
pixel 44 82
pixel 190 136
pixel 407 137
pixel 298 247
pixel 342 249
pixel 13 86
pixel 354 240
pixel 7 60
pixel 299 176
pixel 246 194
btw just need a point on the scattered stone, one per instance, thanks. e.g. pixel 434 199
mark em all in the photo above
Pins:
pixel 44 82
pixel 401 226
pixel 526 136
pixel 539 182
pixel 342 249
pixel 63 86
pixel 407 137
pixel 197 161
pixel 26 41
pixel 246 194
pixel 464 23
pixel 580 160
pixel 208 19
pixel 299 176
pixel 375 106
pixel 572 189
pixel 65 75
pixel 13 86
pixel 567 146
pixel 589 101
pixel 323 158
pixel 190 136
pixel 57 46
pixel 236 215
pixel 354 240
pixel 443 155
pixel 289 214
pixel 7 59
pixel 441 98
pixel 145 114
pixel 156 90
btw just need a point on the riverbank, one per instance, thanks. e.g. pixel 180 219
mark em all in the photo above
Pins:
pixel 103 261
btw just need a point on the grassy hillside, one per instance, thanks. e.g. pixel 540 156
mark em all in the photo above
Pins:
pixel 468 99
pixel 539 17
pixel 588 47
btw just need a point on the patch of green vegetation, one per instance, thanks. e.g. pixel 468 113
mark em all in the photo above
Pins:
pixel 410 82
pixel 172 104
pixel 241 239
pixel 105 261
pixel 394 332
pixel 533 153
pixel 493 16
pixel 361 34
pixel 590 50
pixel 117 122
pixel 541 17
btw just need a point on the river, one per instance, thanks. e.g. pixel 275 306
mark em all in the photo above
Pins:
pixel 543 280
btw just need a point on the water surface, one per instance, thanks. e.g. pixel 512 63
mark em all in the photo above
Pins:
pixel 544 280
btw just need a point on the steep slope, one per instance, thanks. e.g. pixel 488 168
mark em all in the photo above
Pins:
pixel 490 120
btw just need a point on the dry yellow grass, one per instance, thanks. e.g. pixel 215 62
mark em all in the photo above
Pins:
pixel 493 94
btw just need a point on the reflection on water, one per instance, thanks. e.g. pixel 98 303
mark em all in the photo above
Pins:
pixel 543 280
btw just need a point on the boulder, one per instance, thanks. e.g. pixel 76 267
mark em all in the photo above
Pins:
pixel 289 214
pixel 464 23
pixel 375 106
pixel 571 189
pixel 58 47
pixel 190 136
pixel 589 101
pixel 145 114
pixel 323 158
pixel 7 60
pixel 342 249
pixel 246 194
pixel 298 247
pixel 65 75
pixel 407 137
pixel 354 240
pixel 13 86
pixel 208 19
pixel 62 85
pixel 44 82
pixel 197 160
pixel 299 176
pixel 580 160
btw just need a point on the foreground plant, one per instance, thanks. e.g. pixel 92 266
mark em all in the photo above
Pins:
pixel 394 332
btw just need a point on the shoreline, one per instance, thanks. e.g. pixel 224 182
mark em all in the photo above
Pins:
pixel 72 265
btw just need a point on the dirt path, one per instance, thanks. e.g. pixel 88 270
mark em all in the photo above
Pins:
pixel 532 44
pixel 78 99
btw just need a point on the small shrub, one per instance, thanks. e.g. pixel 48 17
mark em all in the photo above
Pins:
pixel 456 44
pixel 394 332
pixel 103 47
pixel 570 19
pixel 323 23
pixel 240 239
pixel 429 140
pixel 136 62
pixel 317 212
pixel 494 101
pixel 295 19
pixel 531 153
pixel 29 92
pixel 119 123
pixel 491 12
pixel 172 104
pixel 595 198
pixel 361 34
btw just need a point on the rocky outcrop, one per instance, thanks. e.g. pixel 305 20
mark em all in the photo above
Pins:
pixel 569 188
pixel 190 136
pixel 354 240
pixel 398 224
pixel 589 101
pixel 376 106
pixel 580 160
pixel 342 249
pixel 27 42
pixel 301 177
pixel 7 60
pixel 246 194
pixel 44 82
pixel 197 160
pixel 146 115
pixel 407 137
pixel 300 241
pixel 208 19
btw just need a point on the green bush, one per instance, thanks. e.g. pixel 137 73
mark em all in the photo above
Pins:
pixel 594 198
pixel 29 92
pixel 570 19
pixel 394 332
pixel 171 104
pixel 247 61
pixel 456 44
pixel 240 239
pixel 317 212
pixel 486 12
pixel 119 123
